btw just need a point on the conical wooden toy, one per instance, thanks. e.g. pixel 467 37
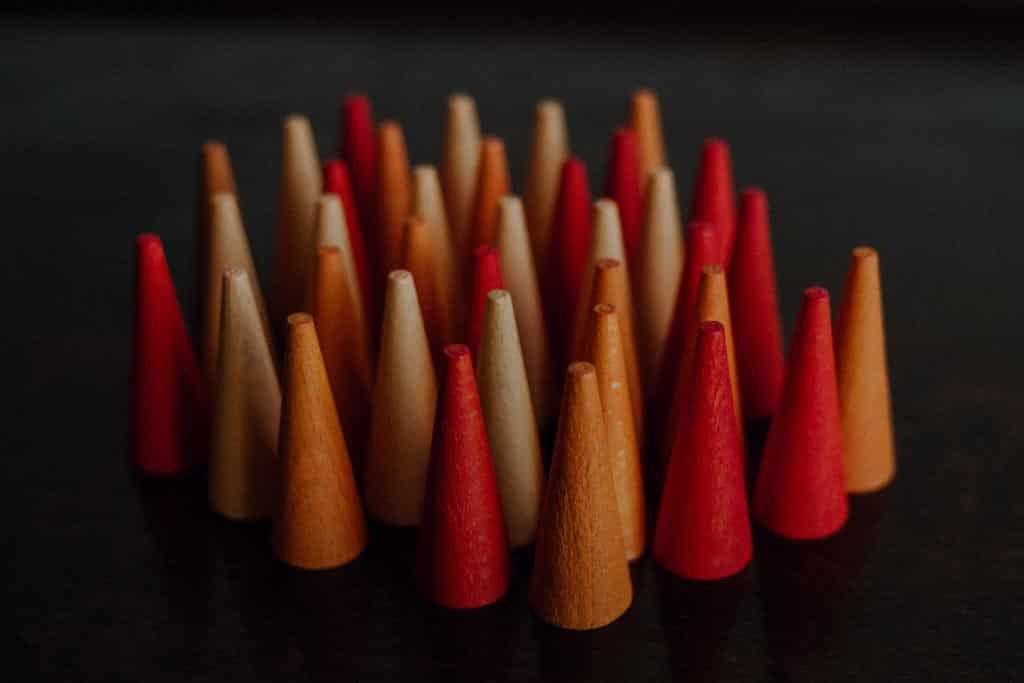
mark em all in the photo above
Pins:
pixel 511 425
pixel 549 148
pixel 580 578
pixel 337 180
pixel 462 555
pixel 215 175
pixel 428 204
pixel 394 195
pixel 486 277
pixel 493 184
pixel 800 493
pixel 460 161
pixel 659 267
pixel 319 519
pixel 170 433
pixel 703 528
pixel 605 350
pixel 343 346
pixel 714 196
pixel 419 258
pixel 358 141
pixel 520 278
pixel 404 399
pixel 868 447
pixel 622 184
pixel 228 247
pixel 243 471
pixel 645 120
pixel 757 329
pixel 293 235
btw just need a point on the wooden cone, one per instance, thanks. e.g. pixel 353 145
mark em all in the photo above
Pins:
pixel 319 521
pixel 460 161
pixel 605 351
pixel 657 276
pixel 419 258
pixel 869 461
pixel 486 277
pixel 492 184
pixel 511 426
pixel 428 204
pixel 394 195
pixel 228 248
pixel 580 578
pixel 404 400
pixel 549 149
pixel 520 278
pixel 359 150
pixel 713 199
pixel 337 181
pixel 243 477
pixel 293 235
pixel 215 175
pixel 343 348
pixel 645 120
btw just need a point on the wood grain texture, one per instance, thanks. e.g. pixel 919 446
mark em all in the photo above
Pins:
pixel 460 161
pixel 645 120
pixel 549 148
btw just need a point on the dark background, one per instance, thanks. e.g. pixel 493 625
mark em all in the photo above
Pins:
pixel 896 126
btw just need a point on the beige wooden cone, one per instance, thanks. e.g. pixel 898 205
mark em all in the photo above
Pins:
pixel 298 192
pixel 394 195
pixel 656 279
pixel 645 120
pixel 460 161
pixel 580 578
pixel 404 401
pixel 520 277
pixel 605 351
pixel 215 175
pixel 508 414
pixel 319 519
pixel 428 204
pixel 242 478
pixel 228 247
pixel 549 149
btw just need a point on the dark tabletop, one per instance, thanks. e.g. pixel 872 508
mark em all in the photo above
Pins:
pixel 914 148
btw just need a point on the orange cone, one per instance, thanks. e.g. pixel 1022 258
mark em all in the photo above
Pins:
pixel 394 196
pixel 713 304
pixel 215 175
pixel 645 120
pixel 492 185
pixel 419 258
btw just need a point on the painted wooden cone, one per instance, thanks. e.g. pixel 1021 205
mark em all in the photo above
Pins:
pixel 714 195
pixel 215 175
pixel 580 578
pixel 493 183
pixel 486 277
pixel 460 161
pixel 511 425
pixel 243 470
pixel 359 150
pixel 319 519
pixel 645 120
pixel 428 204
pixel 337 180
pixel 394 195
pixel 623 184
pixel 549 148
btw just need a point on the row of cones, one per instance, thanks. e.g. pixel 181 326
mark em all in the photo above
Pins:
pixel 665 356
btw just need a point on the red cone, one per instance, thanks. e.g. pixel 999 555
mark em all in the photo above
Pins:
pixel 486 277
pixel 754 305
pixel 800 492
pixel 337 181
pixel 358 140
pixel 170 411
pixel 714 195
pixel 703 529
pixel 624 184
pixel 462 555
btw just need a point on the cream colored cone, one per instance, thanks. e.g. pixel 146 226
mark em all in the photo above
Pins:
pixel 549 149
pixel 460 161
pixel 428 204
pixel 645 120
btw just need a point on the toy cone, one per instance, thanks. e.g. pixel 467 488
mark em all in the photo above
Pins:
pixel 645 120
pixel 460 161
pixel 215 175
pixel 419 258
pixel 714 195
pixel 243 471
pixel 800 492
pixel 492 185
pixel 404 399
pixel 486 277
pixel 359 150
pixel 462 556
pixel 622 183
pixel 868 448
pixel 511 425
pixel 337 180
pixel 394 195
pixel 428 204
pixel 319 519
pixel 580 578
pixel 549 148
pixel 703 529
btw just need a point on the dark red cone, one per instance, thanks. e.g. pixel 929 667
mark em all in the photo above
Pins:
pixel 756 330
pixel 624 184
pixel 714 195
pixel 703 528
pixel 486 277
pixel 571 230
pixel 358 137
pixel 800 492
pixel 462 556
pixel 337 181
pixel 170 411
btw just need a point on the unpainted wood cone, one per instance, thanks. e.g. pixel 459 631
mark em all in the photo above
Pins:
pixel 869 461
pixel 394 194
pixel 215 175
pixel 657 275
pixel 508 413
pixel 549 148
pixel 520 277
pixel 428 204
pixel 645 120
pixel 460 161
pixel 228 248
pixel 243 470
pixel 419 258
pixel 605 351
pixel 298 192
pixel 404 401
pixel 493 184
pixel 319 521
pixel 343 348
pixel 580 578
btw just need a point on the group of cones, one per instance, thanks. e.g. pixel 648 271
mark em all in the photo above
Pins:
pixel 669 340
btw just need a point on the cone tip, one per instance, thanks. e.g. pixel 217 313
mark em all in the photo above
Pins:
pixel 485 251
pixel 299 319
pixel 716 144
pixel 235 274
pixel 214 147
pixel 606 205
pixel 751 193
pixel 863 254
pixel 357 100
pixel 510 202
pixel 580 369
pixel 602 310
pixel 148 240
pixel 815 293
pixel 644 94
pixel 328 250
pixel 398 276
pixel 390 128
pixel 607 264
pixel 456 351
pixel 710 327
pixel 499 296
pixel 296 122
pixel 424 171
pixel 549 106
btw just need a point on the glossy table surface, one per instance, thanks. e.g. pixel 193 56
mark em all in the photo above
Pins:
pixel 913 149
